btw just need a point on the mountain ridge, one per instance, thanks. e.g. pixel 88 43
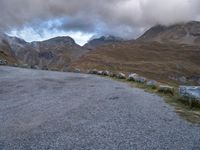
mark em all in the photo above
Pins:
pixel 183 33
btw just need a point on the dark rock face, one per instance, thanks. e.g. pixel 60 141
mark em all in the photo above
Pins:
pixel 46 55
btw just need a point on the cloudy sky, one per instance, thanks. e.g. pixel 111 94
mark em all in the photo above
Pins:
pixel 82 19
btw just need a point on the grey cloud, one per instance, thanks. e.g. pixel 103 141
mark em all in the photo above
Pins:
pixel 126 18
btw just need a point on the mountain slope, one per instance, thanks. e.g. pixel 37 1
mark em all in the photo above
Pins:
pixel 167 54
pixel 185 33
pixel 55 53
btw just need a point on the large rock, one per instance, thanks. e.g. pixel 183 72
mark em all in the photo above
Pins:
pixel 152 84
pixel 191 92
pixel 132 76
pixel 100 72
pixel 121 75
pixel 137 78
pixel 106 73
pixel 166 89
pixel 140 79
pixel 3 62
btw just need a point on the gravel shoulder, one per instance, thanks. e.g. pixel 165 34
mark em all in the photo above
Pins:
pixel 54 110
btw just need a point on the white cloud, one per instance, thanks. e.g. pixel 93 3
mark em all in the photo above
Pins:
pixel 124 17
pixel 31 35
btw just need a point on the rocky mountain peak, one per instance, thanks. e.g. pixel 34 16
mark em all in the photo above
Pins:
pixel 183 33
pixel 62 40
pixel 108 39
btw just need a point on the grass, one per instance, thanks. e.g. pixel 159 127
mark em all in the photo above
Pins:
pixel 182 107
pixel 165 63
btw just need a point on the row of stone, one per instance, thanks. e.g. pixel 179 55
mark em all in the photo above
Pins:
pixel 136 78
pixel 187 92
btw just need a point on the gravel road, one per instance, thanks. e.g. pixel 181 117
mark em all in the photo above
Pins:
pixel 42 110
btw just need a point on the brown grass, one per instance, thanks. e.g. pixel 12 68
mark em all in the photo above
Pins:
pixel 150 59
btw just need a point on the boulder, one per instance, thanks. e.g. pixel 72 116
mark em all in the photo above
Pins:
pixel 106 73
pixel 152 83
pixel 137 78
pixel 140 79
pixel 100 72
pixel 132 76
pixel 121 75
pixel 166 89
pixel 3 62
pixel 191 92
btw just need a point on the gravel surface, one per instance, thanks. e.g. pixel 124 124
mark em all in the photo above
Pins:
pixel 42 110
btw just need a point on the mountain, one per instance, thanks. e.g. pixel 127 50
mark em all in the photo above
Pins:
pixel 185 33
pixel 102 41
pixel 167 54
pixel 55 53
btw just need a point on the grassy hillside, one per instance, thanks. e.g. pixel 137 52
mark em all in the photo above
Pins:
pixel 163 62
